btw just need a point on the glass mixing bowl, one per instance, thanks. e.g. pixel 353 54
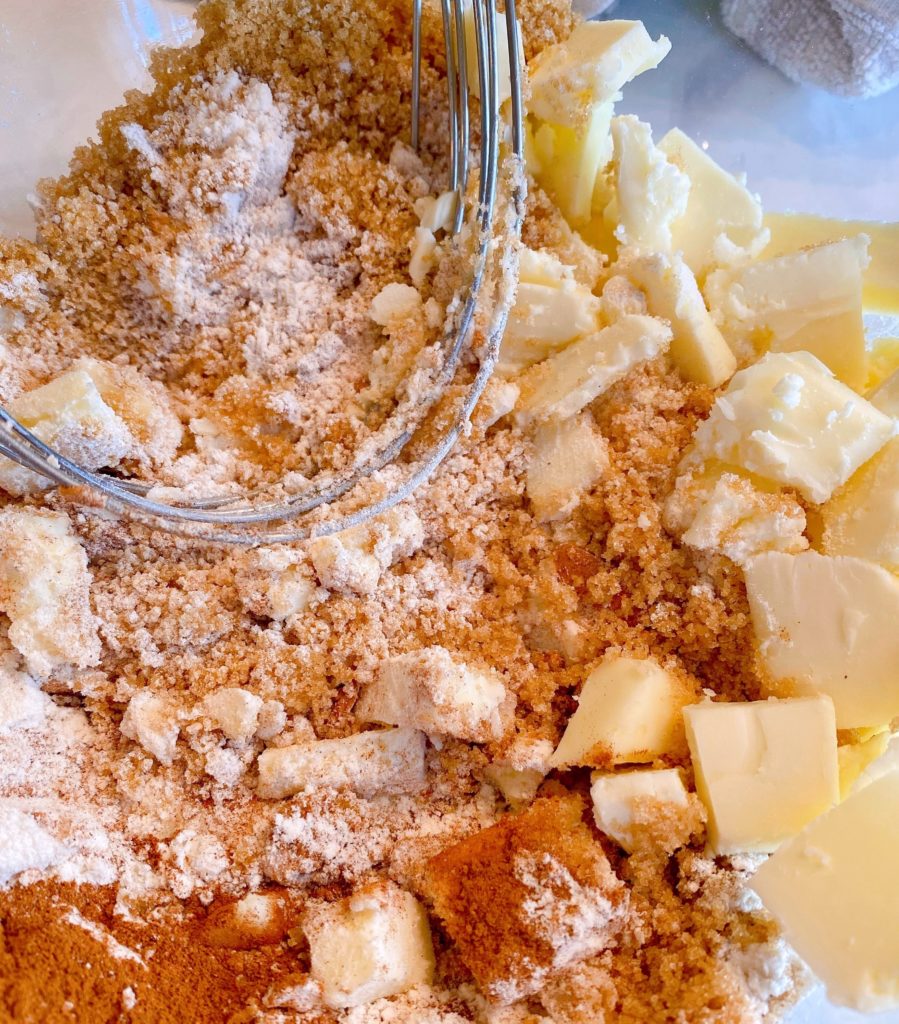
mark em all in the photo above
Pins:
pixel 62 62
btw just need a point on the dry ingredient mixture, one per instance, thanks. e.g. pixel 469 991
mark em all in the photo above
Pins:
pixel 225 239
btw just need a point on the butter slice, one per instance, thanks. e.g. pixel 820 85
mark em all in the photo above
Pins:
pixel 833 889
pixel 829 625
pixel 722 224
pixel 590 67
pixel 70 415
pixel 503 72
pixel 629 712
pixel 862 518
pixel 551 309
pixel 807 301
pixel 787 419
pixel 791 232
pixel 764 769
pixel 698 348
pixel 886 397
pixel 563 384
pixel 568 160
pixel 618 797
pixel 567 459
pixel 650 192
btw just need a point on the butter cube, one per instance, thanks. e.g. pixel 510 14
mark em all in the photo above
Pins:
pixel 722 223
pixel 590 67
pixel 833 890
pixel 622 800
pixel 353 560
pixel 629 711
pixel 437 693
pixel 151 721
pixel 562 385
pixel 436 212
pixel 45 591
pixel 764 769
pixel 698 348
pixel 142 404
pixel 828 625
pixel 809 301
pixel 387 761
pixel 650 192
pixel 503 73
pixel 235 711
pixel 394 304
pixel 568 458
pixel 787 419
pixel 521 771
pixel 374 944
pixel 716 510
pixel 862 518
pixel 569 158
pixel 551 309
pixel 69 415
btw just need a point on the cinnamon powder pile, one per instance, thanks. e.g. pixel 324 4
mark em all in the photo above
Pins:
pixel 226 236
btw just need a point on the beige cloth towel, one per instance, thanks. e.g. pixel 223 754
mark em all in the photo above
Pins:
pixel 850 47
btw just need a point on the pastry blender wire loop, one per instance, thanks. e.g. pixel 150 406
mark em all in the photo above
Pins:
pixel 251 519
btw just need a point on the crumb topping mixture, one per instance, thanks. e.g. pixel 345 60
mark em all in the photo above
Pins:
pixel 454 764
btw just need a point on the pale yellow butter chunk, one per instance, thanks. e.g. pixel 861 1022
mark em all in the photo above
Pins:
pixel 562 385
pixel 715 510
pixel 69 415
pixel 630 711
pixel 619 798
pixel 551 309
pixel 567 160
pixel 764 769
pixel 722 224
pixel 590 67
pixel 856 758
pixel 353 560
pixel 787 419
pixel 435 213
pixel 151 720
pixel 567 459
pixel 374 944
pixel 386 761
pixel 829 625
pixel 503 70
pixel 791 232
pixel 886 396
pixel 45 591
pixel 439 694
pixel 650 192
pixel 862 518
pixel 142 404
pixel 698 348
pixel 833 890
pixel 809 301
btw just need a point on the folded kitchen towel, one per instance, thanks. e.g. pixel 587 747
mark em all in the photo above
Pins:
pixel 850 47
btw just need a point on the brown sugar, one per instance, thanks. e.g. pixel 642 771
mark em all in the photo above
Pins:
pixel 527 897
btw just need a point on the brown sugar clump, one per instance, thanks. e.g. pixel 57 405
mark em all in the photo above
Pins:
pixel 527 897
